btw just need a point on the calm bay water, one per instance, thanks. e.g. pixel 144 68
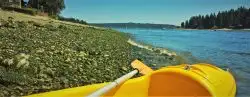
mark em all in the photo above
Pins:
pixel 222 48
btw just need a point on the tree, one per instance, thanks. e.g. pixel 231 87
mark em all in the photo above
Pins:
pixel 239 18
pixel 186 24
pixel 248 19
pixel 182 25
pixel 33 4
pixel 23 3
pixel 219 18
pixel 212 20
pixel 53 7
pixel 74 20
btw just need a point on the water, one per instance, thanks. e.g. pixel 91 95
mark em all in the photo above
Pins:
pixel 222 48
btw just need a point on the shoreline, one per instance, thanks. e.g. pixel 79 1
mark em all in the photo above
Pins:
pixel 155 57
pixel 153 49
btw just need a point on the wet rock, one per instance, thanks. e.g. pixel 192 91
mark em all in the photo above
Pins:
pixel 10 19
pixel 82 54
pixel 22 60
pixel 154 65
pixel 124 68
pixel 8 62
pixel 157 51
pixel 62 27
pixel 50 72
pixel 40 50
pixel 18 88
pixel 68 60
pixel 79 54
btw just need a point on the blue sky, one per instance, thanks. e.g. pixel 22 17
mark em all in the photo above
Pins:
pixel 145 11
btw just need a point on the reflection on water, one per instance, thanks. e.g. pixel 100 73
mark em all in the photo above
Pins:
pixel 222 48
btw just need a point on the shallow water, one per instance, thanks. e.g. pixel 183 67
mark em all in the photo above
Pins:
pixel 223 48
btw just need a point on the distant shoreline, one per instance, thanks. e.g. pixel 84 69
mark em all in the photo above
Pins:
pixel 222 29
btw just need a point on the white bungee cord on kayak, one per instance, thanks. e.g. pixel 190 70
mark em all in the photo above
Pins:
pixel 139 68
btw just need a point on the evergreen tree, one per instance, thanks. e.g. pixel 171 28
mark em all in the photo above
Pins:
pixel 182 25
pixel 186 24
pixel 248 19
pixel 23 3
pixel 53 7
pixel 239 18
pixel 219 20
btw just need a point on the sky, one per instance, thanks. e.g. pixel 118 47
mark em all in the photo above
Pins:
pixel 145 11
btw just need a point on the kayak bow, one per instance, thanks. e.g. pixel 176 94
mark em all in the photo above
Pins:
pixel 181 80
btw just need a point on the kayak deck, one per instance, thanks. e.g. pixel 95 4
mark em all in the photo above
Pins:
pixel 181 80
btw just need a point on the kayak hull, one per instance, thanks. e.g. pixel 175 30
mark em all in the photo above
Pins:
pixel 181 80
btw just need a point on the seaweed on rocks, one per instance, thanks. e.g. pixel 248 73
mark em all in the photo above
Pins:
pixel 37 58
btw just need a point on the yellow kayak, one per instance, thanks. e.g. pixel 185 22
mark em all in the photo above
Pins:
pixel 181 80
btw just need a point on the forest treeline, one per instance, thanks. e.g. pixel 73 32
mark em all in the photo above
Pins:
pixel 74 20
pixel 52 7
pixel 234 19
